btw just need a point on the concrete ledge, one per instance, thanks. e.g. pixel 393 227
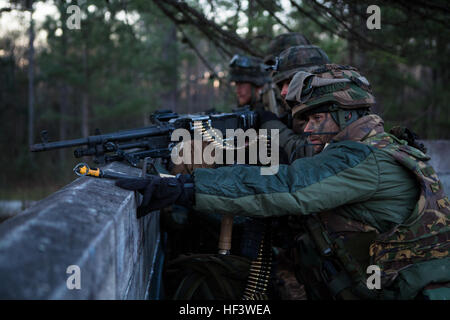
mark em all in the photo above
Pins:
pixel 90 223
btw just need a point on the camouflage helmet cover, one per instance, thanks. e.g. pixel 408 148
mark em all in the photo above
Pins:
pixel 329 86
pixel 249 69
pixel 298 58
pixel 282 42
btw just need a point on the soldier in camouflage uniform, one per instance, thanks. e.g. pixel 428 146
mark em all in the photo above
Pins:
pixel 271 91
pixel 283 42
pixel 290 61
pixel 298 58
pixel 249 76
pixel 365 198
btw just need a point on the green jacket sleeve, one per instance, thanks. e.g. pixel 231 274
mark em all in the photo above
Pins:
pixel 344 172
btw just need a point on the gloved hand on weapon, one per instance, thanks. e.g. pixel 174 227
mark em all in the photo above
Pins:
pixel 161 192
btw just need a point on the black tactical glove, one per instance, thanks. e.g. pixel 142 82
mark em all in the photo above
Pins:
pixel 161 192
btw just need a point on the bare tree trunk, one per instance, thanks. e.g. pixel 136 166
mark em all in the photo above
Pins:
pixel 31 82
pixel 63 89
pixel 85 97
pixel 63 109
pixel 351 40
pixel 146 120
pixel 169 96
pixel 250 16
pixel 442 80
pixel 85 114
pixel 430 112
pixel 361 57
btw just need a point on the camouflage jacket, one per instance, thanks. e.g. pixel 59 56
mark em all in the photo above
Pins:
pixel 363 184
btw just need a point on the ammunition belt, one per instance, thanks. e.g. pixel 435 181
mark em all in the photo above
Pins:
pixel 258 281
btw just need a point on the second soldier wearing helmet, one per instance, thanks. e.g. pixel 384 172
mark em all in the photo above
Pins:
pixel 295 59
pixel 292 60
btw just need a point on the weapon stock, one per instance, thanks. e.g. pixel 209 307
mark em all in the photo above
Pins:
pixel 226 231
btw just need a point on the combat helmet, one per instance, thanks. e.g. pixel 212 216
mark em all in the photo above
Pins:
pixel 298 58
pixel 281 43
pixel 340 90
pixel 249 69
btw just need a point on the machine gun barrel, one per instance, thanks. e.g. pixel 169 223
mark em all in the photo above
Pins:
pixel 103 138
pixel 57 145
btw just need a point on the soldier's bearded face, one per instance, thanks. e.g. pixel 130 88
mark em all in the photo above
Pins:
pixel 317 123
pixel 244 92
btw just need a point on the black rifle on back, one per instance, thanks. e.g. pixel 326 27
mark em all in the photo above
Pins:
pixel 152 141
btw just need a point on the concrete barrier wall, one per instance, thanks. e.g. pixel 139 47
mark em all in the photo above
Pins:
pixel 89 223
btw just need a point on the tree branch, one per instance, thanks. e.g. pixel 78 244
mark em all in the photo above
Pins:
pixel 358 37
pixel 273 15
pixel 209 28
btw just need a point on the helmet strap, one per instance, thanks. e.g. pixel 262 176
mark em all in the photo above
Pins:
pixel 339 117
pixel 344 118
pixel 254 99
